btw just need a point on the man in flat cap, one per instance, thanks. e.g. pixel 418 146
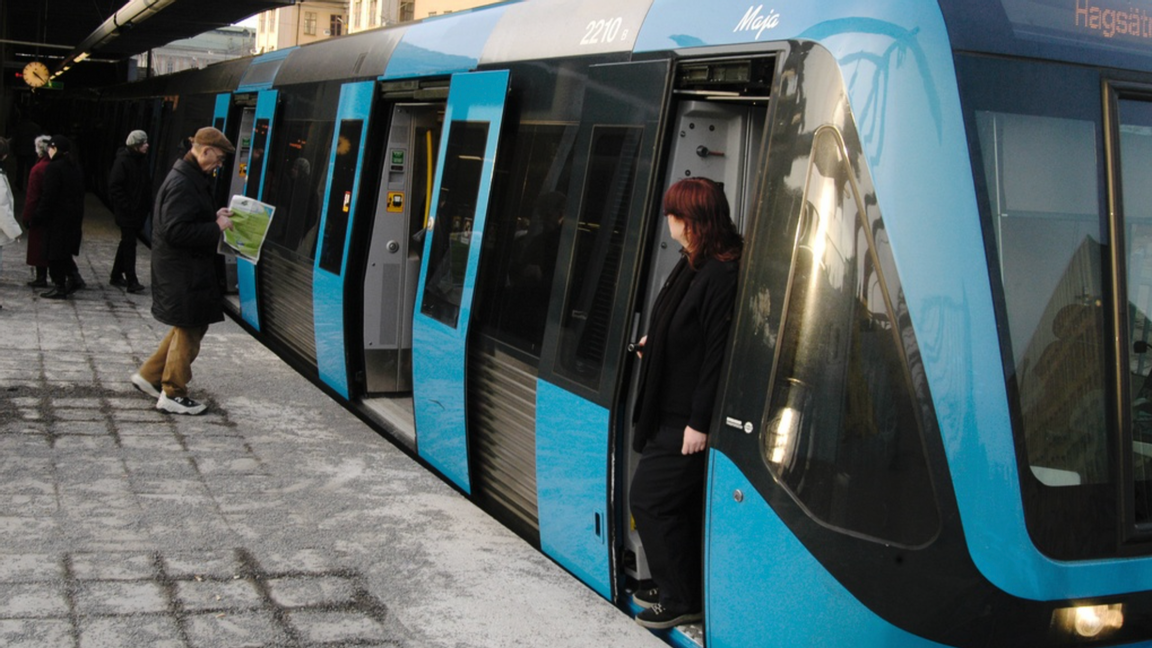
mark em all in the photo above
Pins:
pixel 185 293
pixel 130 187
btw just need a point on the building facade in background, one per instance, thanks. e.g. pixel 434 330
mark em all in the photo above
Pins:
pixel 302 23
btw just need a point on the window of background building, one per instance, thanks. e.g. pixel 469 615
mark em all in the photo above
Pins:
pixel 373 18
pixel 309 23
pixel 335 25
pixel 357 9
pixel 407 10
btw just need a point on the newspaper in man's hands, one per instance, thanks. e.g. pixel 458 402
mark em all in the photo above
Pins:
pixel 250 221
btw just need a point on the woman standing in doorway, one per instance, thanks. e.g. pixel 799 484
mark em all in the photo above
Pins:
pixel 682 354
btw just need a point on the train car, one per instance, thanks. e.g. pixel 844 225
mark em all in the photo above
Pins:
pixel 933 423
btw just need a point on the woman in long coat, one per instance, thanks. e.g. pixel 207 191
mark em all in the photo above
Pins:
pixel 37 254
pixel 60 211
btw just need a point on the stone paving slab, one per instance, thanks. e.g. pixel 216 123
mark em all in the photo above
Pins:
pixel 275 519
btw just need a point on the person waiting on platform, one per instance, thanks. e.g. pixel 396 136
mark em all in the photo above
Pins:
pixel 60 211
pixel 130 187
pixel 37 254
pixel 679 374
pixel 185 291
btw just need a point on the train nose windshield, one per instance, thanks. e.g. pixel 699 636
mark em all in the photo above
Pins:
pixel 1083 429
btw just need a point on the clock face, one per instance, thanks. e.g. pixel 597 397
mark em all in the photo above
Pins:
pixel 36 74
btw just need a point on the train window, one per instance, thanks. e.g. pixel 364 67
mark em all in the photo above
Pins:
pixel 256 158
pixel 595 266
pixel 1038 161
pixel 1048 230
pixel 1135 159
pixel 843 432
pixel 340 195
pixel 452 232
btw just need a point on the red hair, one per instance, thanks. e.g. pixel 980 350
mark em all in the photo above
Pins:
pixel 701 204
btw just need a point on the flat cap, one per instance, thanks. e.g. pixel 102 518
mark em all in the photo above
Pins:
pixel 137 138
pixel 209 136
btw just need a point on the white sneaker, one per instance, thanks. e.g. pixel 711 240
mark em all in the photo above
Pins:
pixel 179 405
pixel 145 386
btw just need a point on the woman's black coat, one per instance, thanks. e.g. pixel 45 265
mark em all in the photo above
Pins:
pixel 185 292
pixel 60 210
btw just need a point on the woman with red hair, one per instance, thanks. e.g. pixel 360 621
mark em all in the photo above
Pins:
pixel 682 354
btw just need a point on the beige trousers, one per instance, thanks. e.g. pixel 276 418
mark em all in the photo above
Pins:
pixel 171 365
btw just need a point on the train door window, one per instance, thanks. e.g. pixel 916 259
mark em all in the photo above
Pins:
pixel 340 195
pixel 525 239
pixel 842 432
pixel 595 266
pixel 256 158
pixel 1135 156
pixel 452 232
pixel 298 166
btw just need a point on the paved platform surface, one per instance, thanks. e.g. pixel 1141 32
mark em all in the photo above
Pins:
pixel 275 519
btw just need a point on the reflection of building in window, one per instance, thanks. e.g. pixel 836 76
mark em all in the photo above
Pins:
pixel 1062 377
pixel 193 53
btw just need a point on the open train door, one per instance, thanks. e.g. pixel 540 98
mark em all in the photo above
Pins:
pixel 590 318
pixel 472 122
pixel 341 197
pixel 250 164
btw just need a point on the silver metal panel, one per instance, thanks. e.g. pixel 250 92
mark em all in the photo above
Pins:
pixel 356 56
pixel 564 28
pixel 285 296
pixel 501 425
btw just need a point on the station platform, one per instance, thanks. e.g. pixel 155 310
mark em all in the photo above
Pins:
pixel 277 518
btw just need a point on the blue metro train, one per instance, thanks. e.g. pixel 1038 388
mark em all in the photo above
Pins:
pixel 924 433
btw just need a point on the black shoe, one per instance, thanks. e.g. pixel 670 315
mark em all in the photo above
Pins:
pixel 659 617
pixel 57 292
pixel 38 283
pixel 77 284
pixel 646 598
pixel 117 281
pixel 135 287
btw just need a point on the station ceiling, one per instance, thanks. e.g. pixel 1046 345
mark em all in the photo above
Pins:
pixel 110 30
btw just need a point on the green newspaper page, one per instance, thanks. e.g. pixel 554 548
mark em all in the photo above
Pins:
pixel 250 220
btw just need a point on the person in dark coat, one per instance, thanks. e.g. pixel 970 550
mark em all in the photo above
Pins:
pixel 186 229
pixel 130 188
pixel 37 253
pixel 682 355
pixel 60 211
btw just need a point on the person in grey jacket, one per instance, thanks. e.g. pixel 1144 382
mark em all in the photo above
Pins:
pixel 185 293
pixel 130 188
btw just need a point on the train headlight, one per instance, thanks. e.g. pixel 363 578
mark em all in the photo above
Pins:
pixel 1089 621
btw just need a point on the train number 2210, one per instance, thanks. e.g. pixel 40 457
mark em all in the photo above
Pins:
pixel 604 31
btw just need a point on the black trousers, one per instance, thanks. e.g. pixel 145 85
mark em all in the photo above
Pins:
pixel 667 500
pixel 61 270
pixel 125 263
